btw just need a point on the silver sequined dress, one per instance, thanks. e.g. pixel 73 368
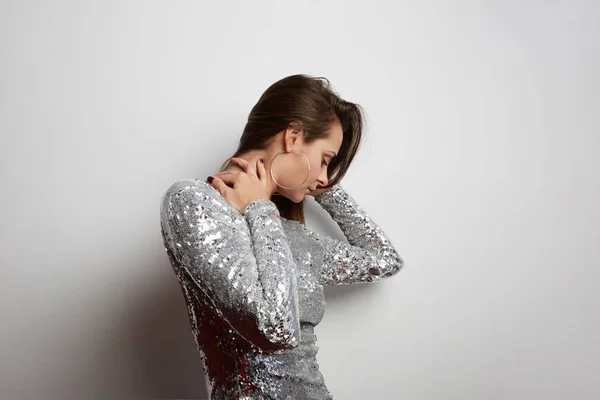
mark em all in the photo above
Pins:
pixel 253 285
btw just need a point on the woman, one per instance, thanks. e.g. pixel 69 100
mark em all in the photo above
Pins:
pixel 252 274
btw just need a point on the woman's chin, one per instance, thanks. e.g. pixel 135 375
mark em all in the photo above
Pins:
pixel 297 196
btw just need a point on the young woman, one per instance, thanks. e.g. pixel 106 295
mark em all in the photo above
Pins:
pixel 252 274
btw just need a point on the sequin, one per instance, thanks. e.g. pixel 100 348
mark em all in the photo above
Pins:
pixel 253 283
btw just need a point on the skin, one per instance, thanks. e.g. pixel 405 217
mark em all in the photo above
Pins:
pixel 245 178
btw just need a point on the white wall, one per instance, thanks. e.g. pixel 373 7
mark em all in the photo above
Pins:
pixel 480 162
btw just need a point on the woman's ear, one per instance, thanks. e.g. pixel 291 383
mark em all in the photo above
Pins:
pixel 292 134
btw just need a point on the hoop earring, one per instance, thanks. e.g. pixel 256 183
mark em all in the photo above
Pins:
pixel 271 170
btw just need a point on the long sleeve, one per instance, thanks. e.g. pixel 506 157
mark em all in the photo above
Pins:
pixel 368 256
pixel 246 270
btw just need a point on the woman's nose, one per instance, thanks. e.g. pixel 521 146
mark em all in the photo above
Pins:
pixel 323 179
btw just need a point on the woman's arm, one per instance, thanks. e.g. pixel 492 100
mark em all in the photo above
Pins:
pixel 248 274
pixel 368 257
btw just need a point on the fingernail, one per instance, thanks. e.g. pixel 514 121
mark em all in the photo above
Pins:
pixel 210 179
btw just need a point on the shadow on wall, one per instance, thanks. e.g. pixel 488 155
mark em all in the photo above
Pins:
pixel 162 346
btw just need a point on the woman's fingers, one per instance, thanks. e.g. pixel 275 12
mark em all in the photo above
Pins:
pixel 240 162
pixel 249 165
pixel 220 185
pixel 228 177
pixel 226 173
pixel 251 168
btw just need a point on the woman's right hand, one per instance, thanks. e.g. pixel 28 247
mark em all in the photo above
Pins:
pixel 240 188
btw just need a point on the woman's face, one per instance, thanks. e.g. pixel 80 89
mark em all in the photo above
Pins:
pixel 291 169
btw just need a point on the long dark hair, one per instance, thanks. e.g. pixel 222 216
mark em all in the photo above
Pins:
pixel 313 102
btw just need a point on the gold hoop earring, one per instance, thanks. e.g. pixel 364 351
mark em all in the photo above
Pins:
pixel 271 171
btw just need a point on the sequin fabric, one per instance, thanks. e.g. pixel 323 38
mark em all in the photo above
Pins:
pixel 253 285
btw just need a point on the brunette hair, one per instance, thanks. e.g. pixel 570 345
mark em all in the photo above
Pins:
pixel 313 102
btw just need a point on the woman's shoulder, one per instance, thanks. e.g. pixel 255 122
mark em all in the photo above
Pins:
pixel 186 184
pixel 191 186
pixel 183 192
pixel 189 192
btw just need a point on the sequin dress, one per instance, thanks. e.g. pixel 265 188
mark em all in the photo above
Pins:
pixel 253 285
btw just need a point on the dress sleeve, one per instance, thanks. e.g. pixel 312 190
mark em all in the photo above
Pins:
pixel 368 256
pixel 248 274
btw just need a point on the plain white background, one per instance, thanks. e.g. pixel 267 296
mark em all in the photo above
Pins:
pixel 479 161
